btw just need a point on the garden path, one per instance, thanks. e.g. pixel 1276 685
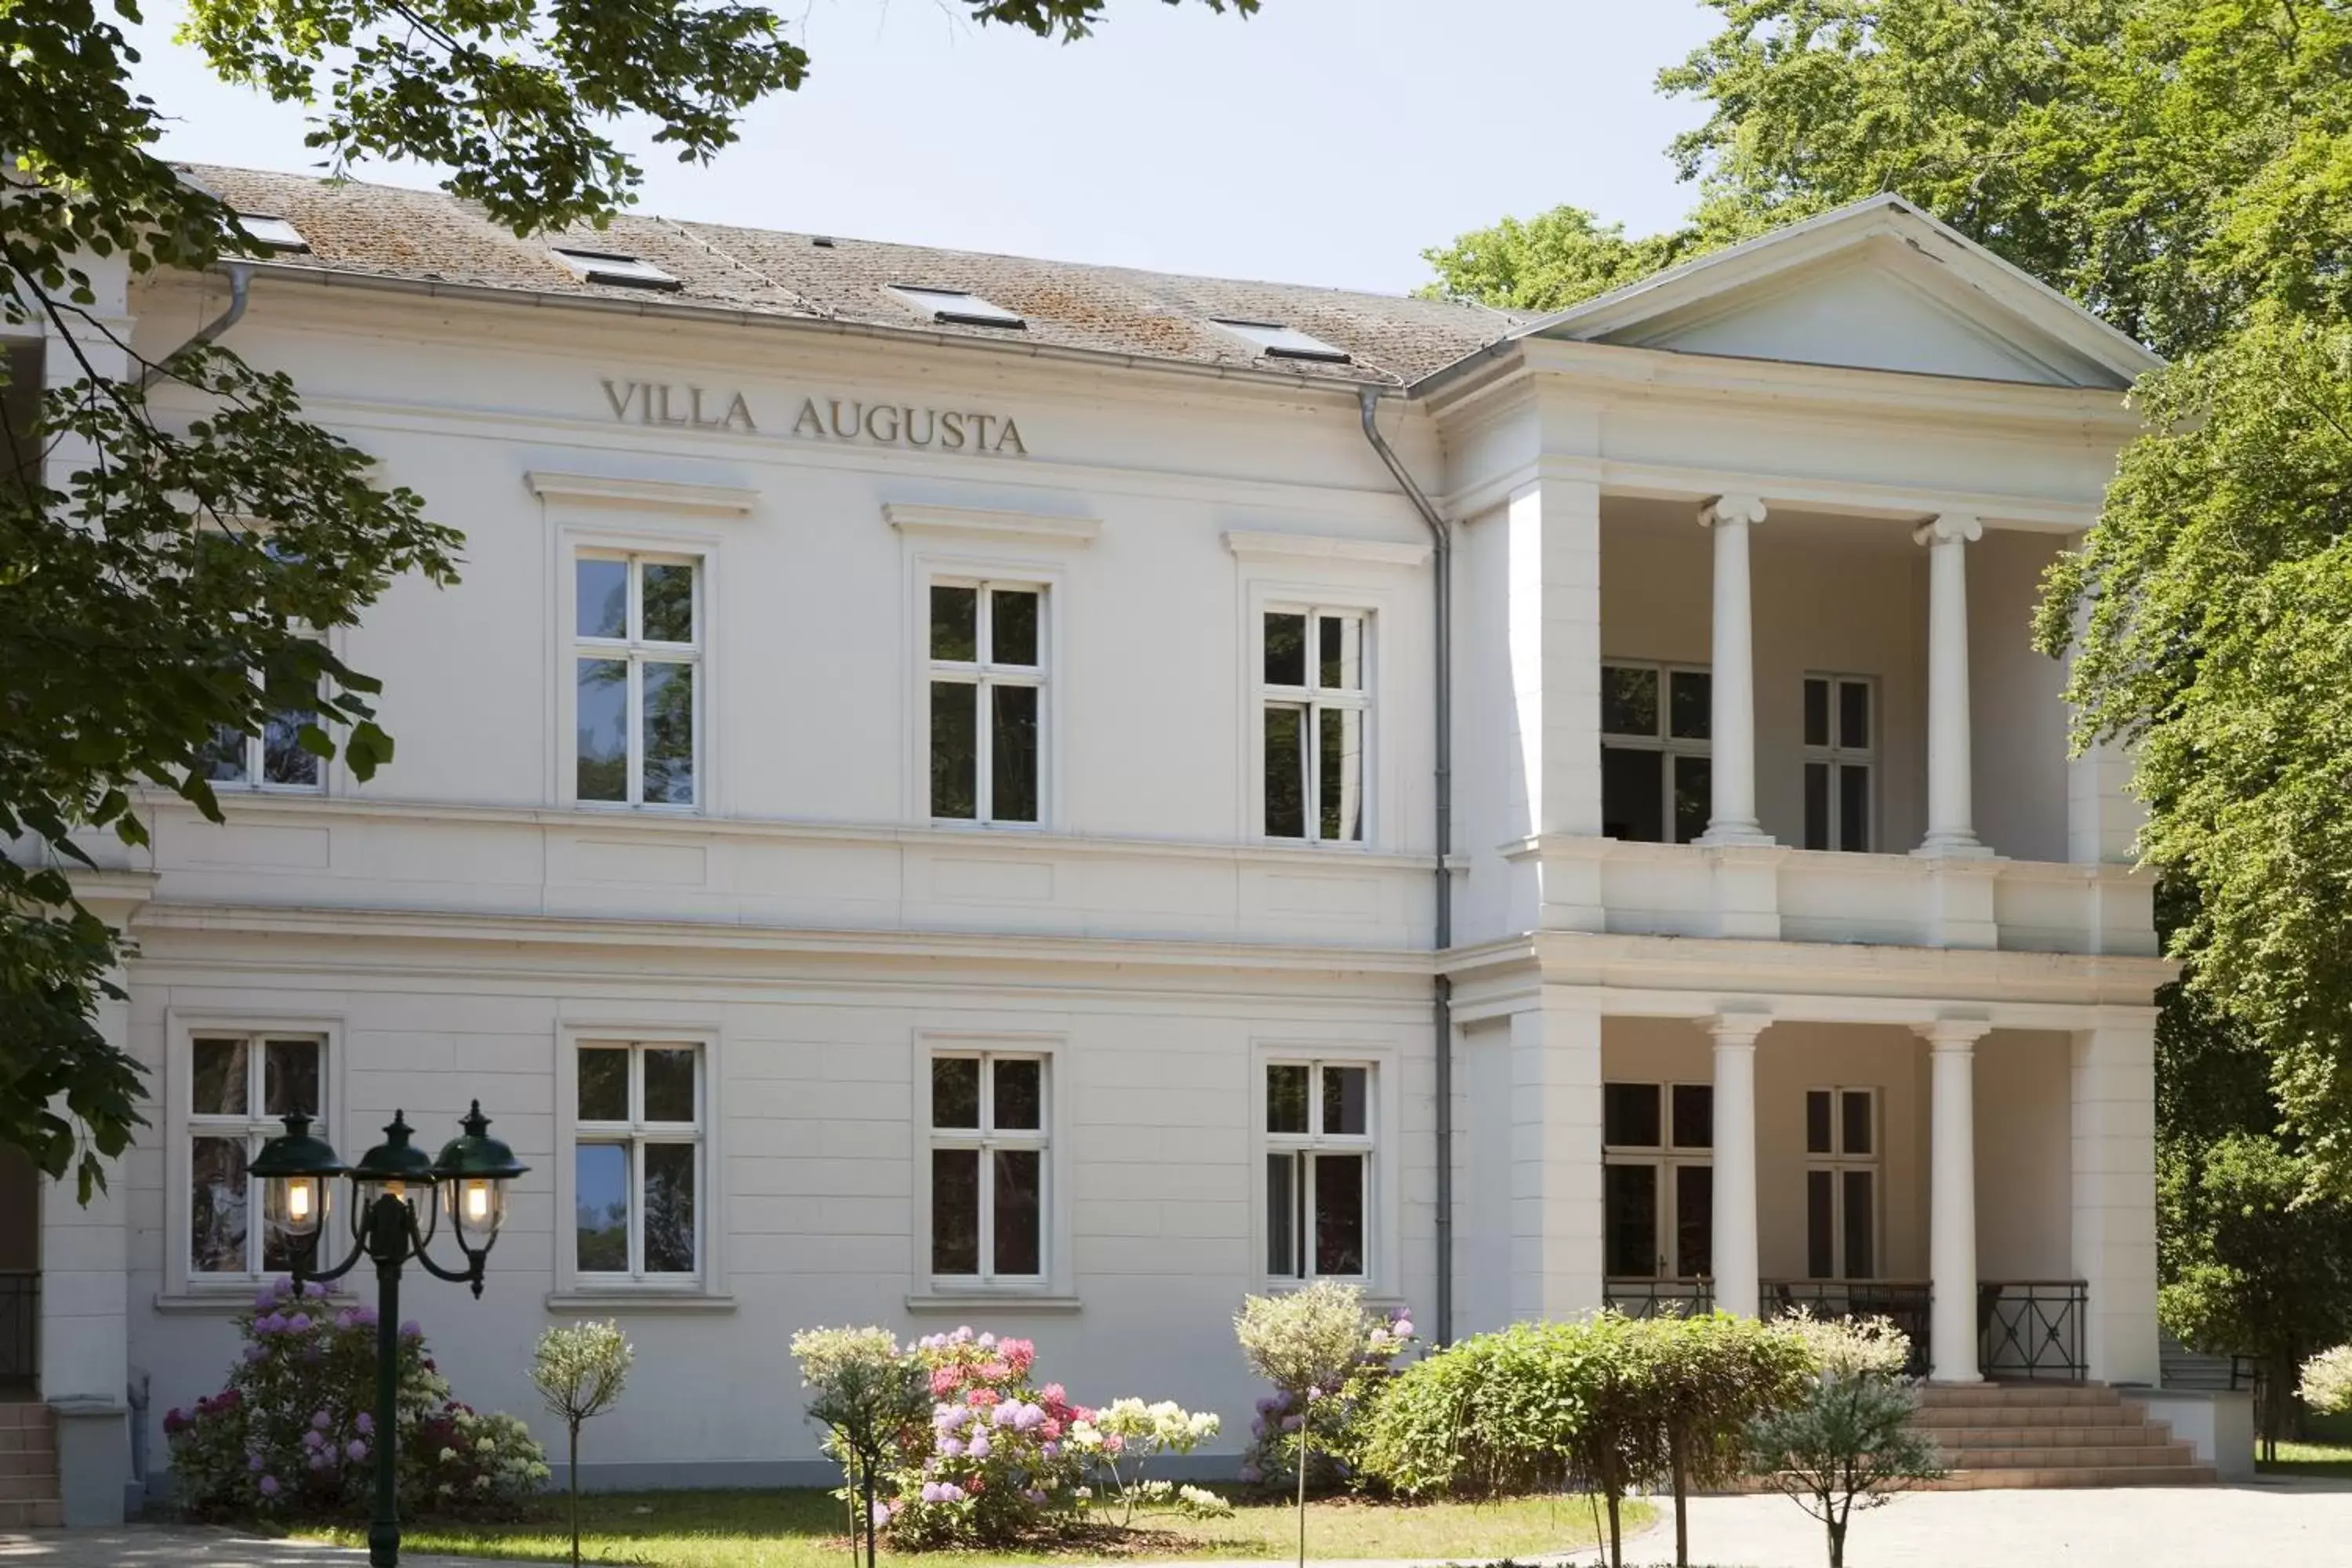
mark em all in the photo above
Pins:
pixel 166 1546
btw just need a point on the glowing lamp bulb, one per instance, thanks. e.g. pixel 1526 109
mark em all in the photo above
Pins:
pixel 298 1200
pixel 477 1201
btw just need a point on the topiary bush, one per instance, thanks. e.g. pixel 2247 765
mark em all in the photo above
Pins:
pixel 293 1433
pixel 1328 1357
pixel 1848 1443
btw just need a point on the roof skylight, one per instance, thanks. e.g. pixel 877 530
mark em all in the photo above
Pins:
pixel 609 267
pixel 955 305
pixel 274 232
pixel 1278 342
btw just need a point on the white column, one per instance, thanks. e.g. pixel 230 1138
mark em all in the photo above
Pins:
pixel 2113 1122
pixel 1556 1261
pixel 1952 1201
pixel 1736 1256
pixel 1951 825
pixel 1731 816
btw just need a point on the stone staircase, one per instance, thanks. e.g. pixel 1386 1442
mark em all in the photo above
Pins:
pixel 1998 1435
pixel 29 1498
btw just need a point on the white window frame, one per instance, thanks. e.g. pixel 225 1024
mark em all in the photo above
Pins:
pixel 1666 1157
pixel 1836 754
pixel 987 1139
pixel 637 652
pixel 1313 1141
pixel 1315 699
pixel 984 673
pixel 184 1288
pixel 1838 1161
pixel 1665 741
pixel 254 782
pixel 576 1291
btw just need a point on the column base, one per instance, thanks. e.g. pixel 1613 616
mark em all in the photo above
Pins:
pixel 1952 846
pixel 1720 834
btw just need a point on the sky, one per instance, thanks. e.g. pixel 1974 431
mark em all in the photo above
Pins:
pixel 1323 142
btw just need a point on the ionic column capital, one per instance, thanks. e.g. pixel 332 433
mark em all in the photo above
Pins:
pixel 1952 1033
pixel 1949 527
pixel 1738 1029
pixel 1734 508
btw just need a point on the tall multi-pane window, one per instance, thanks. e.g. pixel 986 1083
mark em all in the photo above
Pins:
pixel 987 700
pixel 1842 1183
pixel 274 760
pixel 638 655
pixel 636 1161
pixel 988 1166
pixel 1841 755
pixel 239 1085
pixel 1656 733
pixel 1315 704
pixel 1657 1179
pixel 1319 1170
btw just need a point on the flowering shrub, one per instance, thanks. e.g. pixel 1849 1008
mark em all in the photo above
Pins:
pixel 1849 1347
pixel 1129 1432
pixel 294 1432
pixel 2327 1384
pixel 1328 1358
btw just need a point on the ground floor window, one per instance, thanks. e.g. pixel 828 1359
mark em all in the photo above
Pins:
pixel 637 1177
pixel 988 1166
pixel 1842 1194
pixel 1319 1170
pixel 240 1084
pixel 1658 1180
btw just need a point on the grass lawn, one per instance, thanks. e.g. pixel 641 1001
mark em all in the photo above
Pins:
pixel 2311 1459
pixel 804 1529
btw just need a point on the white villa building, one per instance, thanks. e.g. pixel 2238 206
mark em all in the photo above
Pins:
pixel 928 807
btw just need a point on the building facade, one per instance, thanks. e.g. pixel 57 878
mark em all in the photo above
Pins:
pixel 928 807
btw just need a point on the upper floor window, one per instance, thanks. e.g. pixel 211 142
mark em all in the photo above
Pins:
pixel 637 652
pixel 987 700
pixel 274 760
pixel 1840 757
pixel 1319 1170
pixel 1315 699
pixel 239 1086
pixel 1656 729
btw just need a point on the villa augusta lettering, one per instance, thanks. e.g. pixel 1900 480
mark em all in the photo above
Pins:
pixel 662 402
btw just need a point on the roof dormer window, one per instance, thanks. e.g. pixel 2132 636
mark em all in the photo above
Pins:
pixel 273 232
pixel 956 307
pixel 609 267
pixel 1278 342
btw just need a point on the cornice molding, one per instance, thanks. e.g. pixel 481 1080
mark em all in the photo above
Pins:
pixel 971 522
pixel 1249 546
pixel 644 495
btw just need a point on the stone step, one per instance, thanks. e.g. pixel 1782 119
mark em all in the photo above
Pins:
pixel 26 1440
pixel 1974 1396
pixel 28 1488
pixel 2158 1456
pixel 1954 1417
pixel 2144 1434
pixel 2183 1475
pixel 24 1413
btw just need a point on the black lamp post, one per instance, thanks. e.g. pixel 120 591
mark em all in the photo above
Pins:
pixel 395 1210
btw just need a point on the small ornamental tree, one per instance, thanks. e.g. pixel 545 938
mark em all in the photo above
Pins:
pixel 1324 1354
pixel 579 1369
pixel 1716 1376
pixel 1612 1366
pixel 1848 1443
pixel 865 1394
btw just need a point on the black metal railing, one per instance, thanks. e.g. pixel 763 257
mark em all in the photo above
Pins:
pixel 1905 1303
pixel 20 1322
pixel 2032 1328
pixel 1659 1297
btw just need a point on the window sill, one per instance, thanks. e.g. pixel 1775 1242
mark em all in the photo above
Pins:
pixel 228 1303
pixel 646 1301
pixel 991 1300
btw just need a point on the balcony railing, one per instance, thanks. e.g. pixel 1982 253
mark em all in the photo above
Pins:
pixel 2033 1327
pixel 1660 1297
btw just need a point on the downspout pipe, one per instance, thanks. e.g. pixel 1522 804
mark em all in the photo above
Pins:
pixel 1368 400
pixel 240 284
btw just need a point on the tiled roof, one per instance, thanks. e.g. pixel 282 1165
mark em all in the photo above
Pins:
pixel 428 237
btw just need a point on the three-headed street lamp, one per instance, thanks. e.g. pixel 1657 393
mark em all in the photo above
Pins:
pixel 398 1194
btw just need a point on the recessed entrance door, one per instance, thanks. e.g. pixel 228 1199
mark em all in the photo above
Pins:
pixel 1658 1219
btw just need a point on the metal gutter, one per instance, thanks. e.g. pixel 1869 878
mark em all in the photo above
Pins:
pixel 1441 1001
pixel 240 283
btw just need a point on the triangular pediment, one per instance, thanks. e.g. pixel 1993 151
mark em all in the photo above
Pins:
pixel 1876 286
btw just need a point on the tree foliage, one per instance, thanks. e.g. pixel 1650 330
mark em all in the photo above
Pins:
pixel 165 570
pixel 579 1369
